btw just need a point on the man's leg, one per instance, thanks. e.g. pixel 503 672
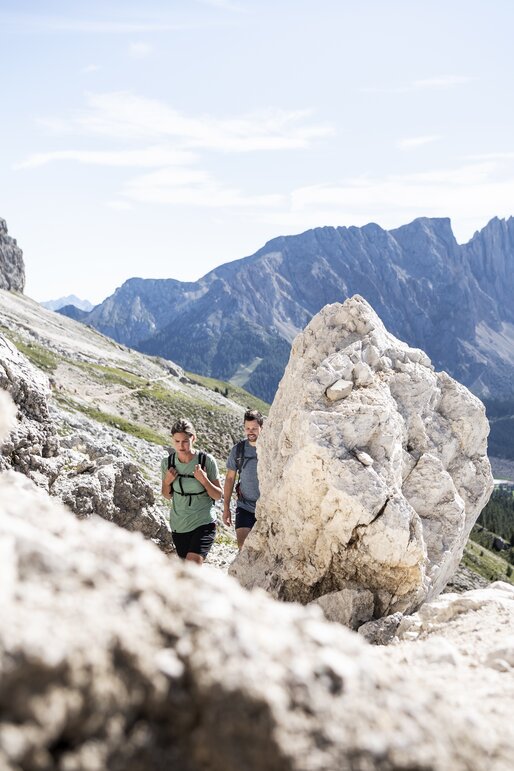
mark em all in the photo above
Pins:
pixel 241 535
pixel 245 520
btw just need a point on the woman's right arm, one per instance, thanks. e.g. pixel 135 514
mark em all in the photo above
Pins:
pixel 167 481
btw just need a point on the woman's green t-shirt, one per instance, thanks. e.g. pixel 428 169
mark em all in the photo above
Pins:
pixel 188 513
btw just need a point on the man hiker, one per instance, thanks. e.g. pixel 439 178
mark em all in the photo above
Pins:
pixel 190 481
pixel 242 462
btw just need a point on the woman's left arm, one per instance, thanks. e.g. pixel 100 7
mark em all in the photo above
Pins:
pixel 212 487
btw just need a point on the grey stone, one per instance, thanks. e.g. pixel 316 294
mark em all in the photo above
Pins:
pixel 382 630
pixel 339 390
pixel 12 268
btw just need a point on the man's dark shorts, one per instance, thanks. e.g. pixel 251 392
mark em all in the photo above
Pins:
pixel 244 518
pixel 197 541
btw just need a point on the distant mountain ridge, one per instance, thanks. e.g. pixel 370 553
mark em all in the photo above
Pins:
pixel 62 302
pixel 237 322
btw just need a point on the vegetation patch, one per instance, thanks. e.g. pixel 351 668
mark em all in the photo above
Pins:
pixel 225 538
pixel 41 357
pixel 114 375
pixel 114 421
pixel 486 564
pixel 498 515
pixel 237 394
pixel 217 427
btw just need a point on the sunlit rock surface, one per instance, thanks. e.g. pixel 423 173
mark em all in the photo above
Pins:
pixel 372 469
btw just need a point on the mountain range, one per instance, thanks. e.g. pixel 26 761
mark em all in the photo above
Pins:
pixel 238 321
pixel 62 302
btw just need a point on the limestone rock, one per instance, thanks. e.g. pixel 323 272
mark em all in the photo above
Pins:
pixel 114 490
pixel 12 268
pixel 350 606
pixel 382 631
pixel 114 657
pixel 33 442
pixel 339 390
pixel 379 489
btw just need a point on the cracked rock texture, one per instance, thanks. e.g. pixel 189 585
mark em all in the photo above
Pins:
pixel 368 493
pixel 12 268
pixel 33 444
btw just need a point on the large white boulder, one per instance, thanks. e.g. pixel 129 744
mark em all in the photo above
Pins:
pixel 372 470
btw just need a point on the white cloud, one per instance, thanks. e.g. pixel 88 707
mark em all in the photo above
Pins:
pixel 146 157
pixel 445 81
pixel 505 156
pixel 140 50
pixel 55 125
pixel 63 24
pixel 192 187
pixel 224 5
pixel 123 115
pixel 91 68
pixel 470 195
pixel 119 205
pixel 413 142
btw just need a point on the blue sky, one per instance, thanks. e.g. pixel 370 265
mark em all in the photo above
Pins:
pixel 162 139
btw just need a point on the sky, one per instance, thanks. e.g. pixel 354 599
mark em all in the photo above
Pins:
pixel 162 139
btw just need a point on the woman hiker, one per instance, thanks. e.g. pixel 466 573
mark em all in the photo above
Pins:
pixel 190 480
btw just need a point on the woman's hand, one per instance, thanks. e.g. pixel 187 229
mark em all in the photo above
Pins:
pixel 167 481
pixel 200 475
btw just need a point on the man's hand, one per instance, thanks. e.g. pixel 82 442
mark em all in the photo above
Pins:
pixel 230 478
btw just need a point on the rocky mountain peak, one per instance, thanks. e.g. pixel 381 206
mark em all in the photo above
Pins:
pixel 12 268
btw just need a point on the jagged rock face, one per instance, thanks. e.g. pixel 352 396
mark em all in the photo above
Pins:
pixel 113 656
pixel 91 474
pixel 12 268
pixel 453 301
pixel 367 499
pixel 33 444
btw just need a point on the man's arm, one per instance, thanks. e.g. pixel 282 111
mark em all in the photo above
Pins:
pixel 230 479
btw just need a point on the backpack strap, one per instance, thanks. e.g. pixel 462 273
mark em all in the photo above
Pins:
pixel 202 462
pixel 240 456
pixel 241 461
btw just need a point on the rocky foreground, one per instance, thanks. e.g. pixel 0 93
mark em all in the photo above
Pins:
pixel 113 655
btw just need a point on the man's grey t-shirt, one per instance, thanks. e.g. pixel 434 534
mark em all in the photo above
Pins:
pixel 249 483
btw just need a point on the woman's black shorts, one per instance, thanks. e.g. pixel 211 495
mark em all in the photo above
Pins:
pixel 197 541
